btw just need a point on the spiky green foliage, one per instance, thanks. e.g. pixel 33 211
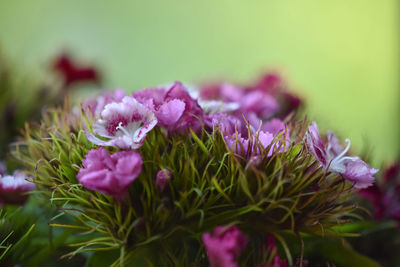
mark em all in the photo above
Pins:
pixel 211 186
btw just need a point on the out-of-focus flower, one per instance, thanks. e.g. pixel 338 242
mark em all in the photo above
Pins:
pixel 72 73
pixel 124 124
pixel 96 105
pixel 272 252
pixel 153 98
pixel 163 178
pixel 261 104
pixel 385 194
pixel 14 188
pixel 333 158
pixel 110 174
pixel 217 106
pixel 253 146
pixel 228 124
pixel 224 246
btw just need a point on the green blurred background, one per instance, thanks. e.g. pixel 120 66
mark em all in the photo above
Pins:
pixel 342 56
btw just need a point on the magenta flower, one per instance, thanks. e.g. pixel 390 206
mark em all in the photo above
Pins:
pixel 123 124
pixel 228 124
pixel 107 174
pixel 14 188
pixel 152 98
pixel 224 246
pixel 191 116
pixel 163 178
pixel 385 194
pixel 250 147
pixel 259 103
pixel 333 158
pixel 96 106
pixel 175 109
pixel 169 113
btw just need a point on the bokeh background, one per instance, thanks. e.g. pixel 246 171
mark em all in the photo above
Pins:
pixel 342 56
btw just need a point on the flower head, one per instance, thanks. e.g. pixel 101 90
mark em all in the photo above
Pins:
pixel 333 158
pixel 228 124
pixel 96 106
pixel 123 124
pixel 192 114
pixel 224 246
pixel 110 174
pixel 385 194
pixel 162 179
pixel 13 188
pixel 73 73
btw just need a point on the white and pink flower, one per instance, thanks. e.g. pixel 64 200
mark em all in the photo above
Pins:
pixel 124 124
pixel 333 158
pixel 14 188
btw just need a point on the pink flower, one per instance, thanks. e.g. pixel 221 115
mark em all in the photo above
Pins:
pixel 224 246
pixel 273 126
pixel 14 188
pixel 96 106
pixel 162 179
pixel 123 124
pixel 73 73
pixel 169 113
pixel 228 124
pixel 110 174
pixel 334 158
pixel 385 194
pixel 153 98
pixel 259 103
pixel 191 116
pixel 256 144
pixel 174 108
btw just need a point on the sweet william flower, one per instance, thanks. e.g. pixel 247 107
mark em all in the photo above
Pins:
pixel 228 124
pixel 385 194
pixel 123 124
pixel 176 110
pixel 73 73
pixel 162 179
pixel 333 158
pixel 224 246
pixel 245 146
pixel 192 114
pixel 96 105
pixel 14 188
pixel 110 174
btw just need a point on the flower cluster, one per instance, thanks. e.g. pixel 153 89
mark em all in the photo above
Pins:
pixel 245 116
pixel 176 161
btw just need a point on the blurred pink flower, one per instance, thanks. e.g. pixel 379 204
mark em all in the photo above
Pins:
pixel 228 124
pixel 14 188
pixel 254 146
pixel 110 174
pixel 124 124
pixel 224 246
pixel 163 178
pixel 96 105
pixel 72 73
pixel 334 158
pixel 385 194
